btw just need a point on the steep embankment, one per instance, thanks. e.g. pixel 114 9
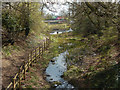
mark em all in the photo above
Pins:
pixel 92 61
pixel 14 55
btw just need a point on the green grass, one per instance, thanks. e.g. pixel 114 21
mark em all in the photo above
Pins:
pixel 8 50
pixel 84 48
pixel 59 26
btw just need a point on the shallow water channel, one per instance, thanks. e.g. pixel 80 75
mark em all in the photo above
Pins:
pixel 57 66
pixel 55 70
pixel 60 31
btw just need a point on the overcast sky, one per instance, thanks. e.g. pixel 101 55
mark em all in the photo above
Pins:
pixel 58 8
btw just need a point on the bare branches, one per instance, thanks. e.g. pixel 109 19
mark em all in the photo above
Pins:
pixel 14 7
pixel 102 4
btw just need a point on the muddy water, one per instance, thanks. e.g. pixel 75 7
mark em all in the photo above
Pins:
pixel 55 70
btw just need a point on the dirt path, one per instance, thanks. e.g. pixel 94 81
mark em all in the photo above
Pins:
pixel 10 67
pixel 11 64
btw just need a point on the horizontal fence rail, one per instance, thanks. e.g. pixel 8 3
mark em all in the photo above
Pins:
pixel 32 57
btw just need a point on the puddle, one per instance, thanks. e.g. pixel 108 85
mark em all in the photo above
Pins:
pixel 55 70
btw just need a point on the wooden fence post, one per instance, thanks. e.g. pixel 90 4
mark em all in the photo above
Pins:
pixel 39 52
pixel 48 41
pixel 24 70
pixel 28 62
pixel 42 50
pixel 31 58
pixel 13 83
pixel 19 78
pixel 44 44
pixel 35 55
pixel 49 38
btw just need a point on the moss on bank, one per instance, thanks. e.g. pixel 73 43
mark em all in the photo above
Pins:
pixel 90 64
pixel 35 77
pixel 90 60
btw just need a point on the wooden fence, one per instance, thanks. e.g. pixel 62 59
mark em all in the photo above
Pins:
pixel 32 57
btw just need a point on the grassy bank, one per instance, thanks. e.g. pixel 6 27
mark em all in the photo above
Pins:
pixel 62 26
pixel 14 55
pixel 35 77
pixel 92 61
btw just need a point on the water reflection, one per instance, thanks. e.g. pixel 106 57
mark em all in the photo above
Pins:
pixel 55 70
pixel 60 31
